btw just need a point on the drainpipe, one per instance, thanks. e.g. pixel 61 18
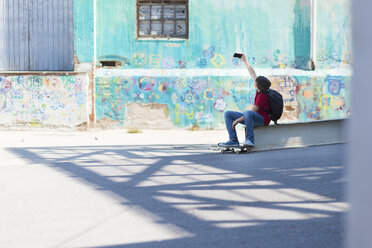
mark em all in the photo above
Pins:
pixel 94 63
pixel 313 61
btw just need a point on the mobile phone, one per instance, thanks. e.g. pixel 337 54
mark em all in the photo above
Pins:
pixel 238 55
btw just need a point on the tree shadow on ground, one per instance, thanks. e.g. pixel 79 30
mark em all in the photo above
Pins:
pixel 283 198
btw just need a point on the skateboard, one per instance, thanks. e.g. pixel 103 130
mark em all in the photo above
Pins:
pixel 237 149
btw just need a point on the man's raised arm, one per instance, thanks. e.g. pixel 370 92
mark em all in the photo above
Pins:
pixel 249 67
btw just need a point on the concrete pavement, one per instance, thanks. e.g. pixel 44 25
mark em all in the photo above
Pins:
pixel 166 189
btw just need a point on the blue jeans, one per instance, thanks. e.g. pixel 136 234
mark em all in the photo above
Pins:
pixel 251 120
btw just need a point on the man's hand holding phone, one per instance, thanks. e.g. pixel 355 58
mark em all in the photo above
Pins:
pixel 241 56
pixel 244 58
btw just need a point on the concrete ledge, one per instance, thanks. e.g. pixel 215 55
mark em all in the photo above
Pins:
pixel 300 134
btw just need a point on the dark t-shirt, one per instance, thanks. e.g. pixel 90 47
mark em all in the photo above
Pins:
pixel 262 101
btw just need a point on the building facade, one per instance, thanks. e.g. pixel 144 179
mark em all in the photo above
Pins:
pixel 165 64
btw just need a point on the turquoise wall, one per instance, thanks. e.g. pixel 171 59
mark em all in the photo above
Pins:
pixel 260 28
pixel 274 34
pixel 84 30
pixel 334 34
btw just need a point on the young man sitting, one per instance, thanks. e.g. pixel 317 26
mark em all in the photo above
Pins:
pixel 256 117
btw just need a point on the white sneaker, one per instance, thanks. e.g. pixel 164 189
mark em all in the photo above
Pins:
pixel 248 143
pixel 229 144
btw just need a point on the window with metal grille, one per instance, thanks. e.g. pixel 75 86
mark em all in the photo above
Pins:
pixel 162 19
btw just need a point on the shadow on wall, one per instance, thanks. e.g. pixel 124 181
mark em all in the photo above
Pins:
pixel 215 200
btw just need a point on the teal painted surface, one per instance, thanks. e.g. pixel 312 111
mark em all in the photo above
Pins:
pixel 334 38
pixel 302 34
pixel 273 34
pixel 267 31
pixel 84 30
pixel 203 100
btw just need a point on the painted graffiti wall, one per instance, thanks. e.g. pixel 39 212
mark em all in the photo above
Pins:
pixel 43 101
pixel 203 100
pixel 273 34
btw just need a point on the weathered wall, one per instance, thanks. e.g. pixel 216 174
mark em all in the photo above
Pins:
pixel 197 79
pixel 53 100
pixel 43 101
pixel 274 34
pixel 84 35
pixel 203 99
pixel 334 34
pixel 84 30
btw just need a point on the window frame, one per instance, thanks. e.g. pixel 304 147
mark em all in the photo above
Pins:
pixel 163 4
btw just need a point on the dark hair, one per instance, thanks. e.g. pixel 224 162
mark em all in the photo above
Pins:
pixel 263 83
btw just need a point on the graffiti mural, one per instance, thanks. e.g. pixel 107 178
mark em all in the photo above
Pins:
pixel 43 100
pixel 212 59
pixel 203 100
